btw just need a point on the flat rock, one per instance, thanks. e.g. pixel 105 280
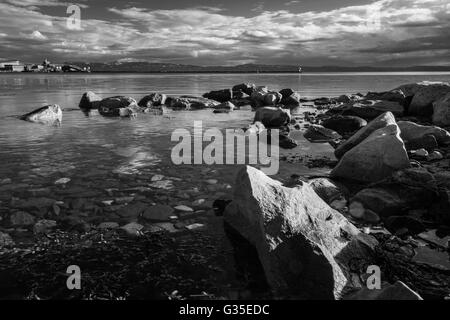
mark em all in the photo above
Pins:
pixel 320 134
pixel 49 115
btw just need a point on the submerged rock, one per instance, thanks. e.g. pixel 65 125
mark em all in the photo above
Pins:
pixel 50 115
pixel 89 101
pixel 272 117
pixel 381 121
pixel 304 246
pixel 375 158
pixel 317 133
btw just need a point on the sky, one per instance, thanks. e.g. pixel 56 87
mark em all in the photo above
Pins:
pixel 389 33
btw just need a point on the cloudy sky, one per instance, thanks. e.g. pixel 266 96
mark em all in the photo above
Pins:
pixel 230 32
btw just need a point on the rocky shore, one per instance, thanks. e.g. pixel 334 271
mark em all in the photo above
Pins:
pixel 385 203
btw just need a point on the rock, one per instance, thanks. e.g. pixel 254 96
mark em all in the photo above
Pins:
pixel 370 109
pixel 62 181
pixel 199 102
pixel 220 95
pixel 44 226
pixel 108 225
pixel 442 179
pixel 381 121
pixel 255 128
pixel 285 142
pixel 89 101
pixel 272 98
pixel 407 189
pixel 435 155
pixel 179 104
pixel 421 153
pixel 184 208
pixel 422 102
pixel 375 158
pixel 427 142
pixel 441 111
pixel 225 106
pixel 49 115
pixel 326 189
pixel 290 98
pixel 345 98
pixel 272 117
pixel 344 124
pixel 247 88
pixel 35 203
pixel 257 97
pixel 411 89
pixel 394 95
pixel 132 210
pixel 117 106
pixel 411 131
pixel 432 258
pixel 21 219
pixel 305 247
pixel 152 100
pixel 133 229
pixel 5 240
pixel 440 210
pixel 317 133
pixel 195 226
pixel 397 291
pixel 158 213
pixel 400 223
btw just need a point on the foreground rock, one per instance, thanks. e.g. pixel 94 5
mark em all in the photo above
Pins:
pixel 304 246
pixel 118 106
pixel 441 111
pixel 375 158
pixel 50 115
pixel 380 122
pixel 272 117
pixel 89 101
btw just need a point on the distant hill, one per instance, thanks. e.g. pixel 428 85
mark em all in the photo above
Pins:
pixel 148 67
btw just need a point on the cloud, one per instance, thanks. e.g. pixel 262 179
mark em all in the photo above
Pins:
pixel 380 32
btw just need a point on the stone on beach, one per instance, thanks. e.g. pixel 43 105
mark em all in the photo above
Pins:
pixel 304 246
pixel 272 98
pixel 247 88
pixel 50 115
pixel 220 95
pixel 272 117
pixel 370 109
pixel 411 131
pixel 381 121
pixel 422 102
pixel 318 133
pixel 344 124
pixel 375 158
pixel 196 103
pixel 394 95
pixel 89 101
pixel 441 111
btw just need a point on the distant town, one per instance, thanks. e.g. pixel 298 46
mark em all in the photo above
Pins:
pixel 46 66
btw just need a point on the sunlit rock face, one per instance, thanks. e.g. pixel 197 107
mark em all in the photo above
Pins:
pixel 49 115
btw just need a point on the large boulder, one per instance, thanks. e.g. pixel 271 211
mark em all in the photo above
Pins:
pixel 422 102
pixel 380 122
pixel 375 158
pixel 344 124
pixel 290 98
pixel 117 106
pixel 305 247
pixel 319 134
pixel 152 100
pixel 411 131
pixel 410 89
pixel 272 117
pixel 51 115
pixel 89 101
pixel 441 111
pixel 370 109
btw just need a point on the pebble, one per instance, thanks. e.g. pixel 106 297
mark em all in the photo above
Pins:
pixel 184 208
pixel 44 226
pixel 421 153
pixel 435 155
pixel 21 218
pixel 157 177
pixel 211 181
pixel 107 202
pixel 5 181
pixel 123 200
pixel 356 210
pixel 195 226
pixel 62 181
pixel 133 229
pixel 162 184
pixel 5 240
pixel 108 225
pixel 166 226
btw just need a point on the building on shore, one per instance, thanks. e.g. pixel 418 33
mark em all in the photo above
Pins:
pixel 11 66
